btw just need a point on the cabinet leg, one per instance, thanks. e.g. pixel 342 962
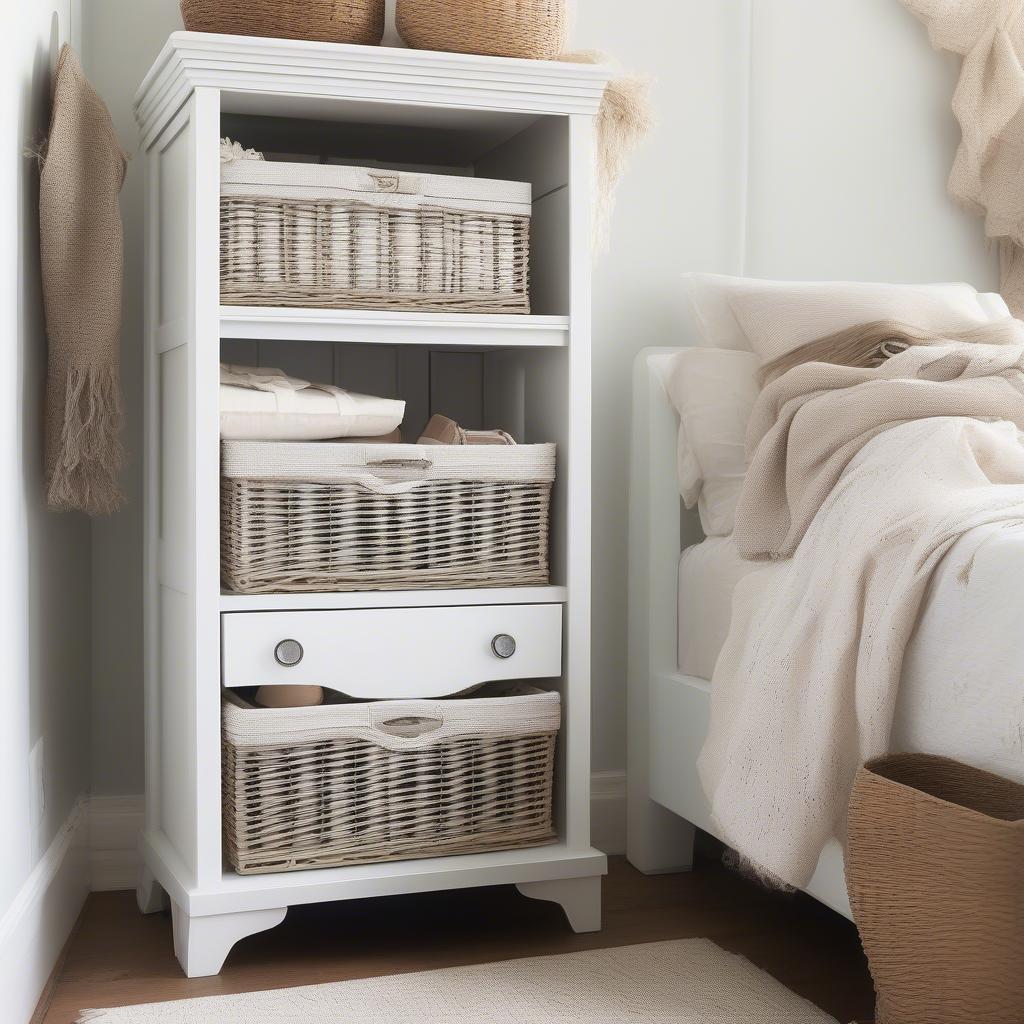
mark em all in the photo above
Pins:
pixel 202 944
pixel 149 894
pixel 580 898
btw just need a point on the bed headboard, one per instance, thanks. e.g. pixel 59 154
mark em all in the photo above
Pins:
pixel 659 526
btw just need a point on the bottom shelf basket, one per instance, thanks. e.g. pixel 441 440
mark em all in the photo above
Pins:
pixel 354 783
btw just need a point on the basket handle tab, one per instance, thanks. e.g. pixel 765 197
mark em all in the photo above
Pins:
pixel 407 719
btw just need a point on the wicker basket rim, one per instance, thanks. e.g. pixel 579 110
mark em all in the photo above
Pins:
pixel 328 461
pixel 250 727
pixel 871 769
pixel 366 179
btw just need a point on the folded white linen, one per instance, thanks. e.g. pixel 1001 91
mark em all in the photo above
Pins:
pixel 264 404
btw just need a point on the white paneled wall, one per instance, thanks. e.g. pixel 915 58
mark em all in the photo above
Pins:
pixel 841 173
pixel 44 585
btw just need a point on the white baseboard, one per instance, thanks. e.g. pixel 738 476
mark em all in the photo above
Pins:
pixel 115 823
pixel 608 811
pixel 37 924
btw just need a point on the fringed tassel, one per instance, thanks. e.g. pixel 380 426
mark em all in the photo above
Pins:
pixel 91 454
pixel 623 120
pixel 753 872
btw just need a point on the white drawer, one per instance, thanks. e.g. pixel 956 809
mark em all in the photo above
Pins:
pixel 393 652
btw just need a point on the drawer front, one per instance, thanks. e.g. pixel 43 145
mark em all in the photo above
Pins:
pixel 393 652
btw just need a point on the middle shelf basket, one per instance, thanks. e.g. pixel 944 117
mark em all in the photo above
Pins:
pixel 329 516
pixel 353 783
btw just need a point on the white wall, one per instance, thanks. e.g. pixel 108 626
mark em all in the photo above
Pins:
pixel 44 561
pixel 122 39
pixel 848 149
pixel 44 582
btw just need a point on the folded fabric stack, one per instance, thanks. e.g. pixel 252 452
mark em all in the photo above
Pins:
pixel 441 430
pixel 264 404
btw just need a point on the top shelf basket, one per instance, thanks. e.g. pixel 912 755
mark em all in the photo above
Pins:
pixel 294 234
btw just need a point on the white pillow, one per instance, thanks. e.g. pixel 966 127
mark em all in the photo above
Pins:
pixel 261 404
pixel 774 317
pixel 714 391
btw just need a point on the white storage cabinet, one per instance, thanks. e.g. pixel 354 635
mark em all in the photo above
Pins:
pixel 529 121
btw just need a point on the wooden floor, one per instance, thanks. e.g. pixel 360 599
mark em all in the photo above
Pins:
pixel 117 957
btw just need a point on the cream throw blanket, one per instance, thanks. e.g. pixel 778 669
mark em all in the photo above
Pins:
pixel 989 105
pixel 860 481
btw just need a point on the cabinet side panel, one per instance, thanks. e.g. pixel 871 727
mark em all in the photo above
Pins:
pixel 177 710
pixel 170 517
pixel 172 226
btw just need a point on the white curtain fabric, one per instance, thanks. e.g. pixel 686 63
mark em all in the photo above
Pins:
pixel 987 173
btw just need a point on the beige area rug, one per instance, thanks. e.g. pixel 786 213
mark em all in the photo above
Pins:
pixel 689 981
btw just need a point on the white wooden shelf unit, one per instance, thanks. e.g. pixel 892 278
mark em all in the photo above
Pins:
pixel 522 120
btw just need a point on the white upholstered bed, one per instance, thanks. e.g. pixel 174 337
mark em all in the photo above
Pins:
pixel 962 685
pixel 668 710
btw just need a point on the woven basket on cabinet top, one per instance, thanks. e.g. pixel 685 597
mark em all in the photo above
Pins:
pixel 331 21
pixel 534 29
pixel 935 872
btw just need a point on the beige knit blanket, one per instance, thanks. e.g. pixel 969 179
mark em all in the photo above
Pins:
pixel 81 253
pixel 989 106
pixel 860 481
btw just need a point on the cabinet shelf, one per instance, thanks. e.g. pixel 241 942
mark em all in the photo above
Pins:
pixel 437 330
pixel 231 602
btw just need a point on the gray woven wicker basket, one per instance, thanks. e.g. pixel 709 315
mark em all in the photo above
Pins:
pixel 294 234
pixel 390 780
pixel 935 872
pixel 328 516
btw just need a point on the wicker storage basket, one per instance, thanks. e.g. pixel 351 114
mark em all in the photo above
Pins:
pixel 935 871
pixel 391 780
pixel 350 21
pixel 329 516
pixel 534 29
pixel 351 237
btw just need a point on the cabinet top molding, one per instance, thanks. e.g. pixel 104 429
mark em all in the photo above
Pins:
pixel 302 68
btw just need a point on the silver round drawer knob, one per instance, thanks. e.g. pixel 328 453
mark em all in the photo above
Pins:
pixel 288 653
pixel 503 645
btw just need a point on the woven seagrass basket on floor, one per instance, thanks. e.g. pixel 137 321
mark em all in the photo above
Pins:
pixel 935 872
pixel 534 29
pixel 331 21
pixel 354 783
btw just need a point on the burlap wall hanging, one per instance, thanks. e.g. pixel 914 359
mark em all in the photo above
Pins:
pixel 82 256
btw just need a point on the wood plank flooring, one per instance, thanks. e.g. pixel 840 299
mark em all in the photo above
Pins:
pixel 118 957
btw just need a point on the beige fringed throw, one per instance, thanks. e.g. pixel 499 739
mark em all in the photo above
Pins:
pixel 622 122
pixel 81 252
pixel 988 173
